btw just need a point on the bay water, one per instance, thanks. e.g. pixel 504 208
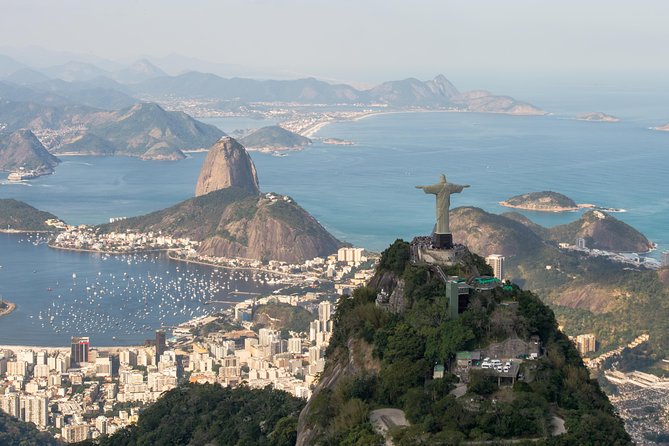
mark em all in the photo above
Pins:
pixel 363 194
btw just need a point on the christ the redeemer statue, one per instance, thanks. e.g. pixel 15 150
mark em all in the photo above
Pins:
pixel 442 237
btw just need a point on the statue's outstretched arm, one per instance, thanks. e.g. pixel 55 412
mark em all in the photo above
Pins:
pixel 434 189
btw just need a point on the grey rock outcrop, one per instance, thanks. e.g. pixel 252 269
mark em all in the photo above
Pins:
pixel 227 165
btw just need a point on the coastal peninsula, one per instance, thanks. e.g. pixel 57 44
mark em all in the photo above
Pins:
pixel 17 216
pixel 24 156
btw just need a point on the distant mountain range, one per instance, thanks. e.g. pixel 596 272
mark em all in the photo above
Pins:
pixel 408 93
pixel 79 107
pixel 143 79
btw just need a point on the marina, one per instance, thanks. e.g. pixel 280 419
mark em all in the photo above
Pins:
pixel 114 299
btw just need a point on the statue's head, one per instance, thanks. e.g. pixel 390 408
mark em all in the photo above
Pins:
pixel 442 178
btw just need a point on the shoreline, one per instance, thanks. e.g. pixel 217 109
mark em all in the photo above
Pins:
pixel 25 231
pixel 217 265
pixel 95 251
pixel 310 131
pixel 11 306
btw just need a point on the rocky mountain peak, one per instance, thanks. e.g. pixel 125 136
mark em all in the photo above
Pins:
pixel 227 165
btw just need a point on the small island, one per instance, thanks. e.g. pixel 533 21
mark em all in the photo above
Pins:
pixel 6 307
pixel 546 201
pixel 338 142
pixel 597 117
pixel 273 138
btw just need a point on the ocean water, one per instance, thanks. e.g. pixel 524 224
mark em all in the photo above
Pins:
pixel 365 193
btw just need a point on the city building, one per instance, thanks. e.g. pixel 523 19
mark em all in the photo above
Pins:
pixel 11 404
pixel 35 409
pixel 665 258
pixel 350 255
pixel 74 433
pixel 324 312
pixel 497 263
pixel 160 344
pixel 295 345
pixel 79 349
pixel 585 343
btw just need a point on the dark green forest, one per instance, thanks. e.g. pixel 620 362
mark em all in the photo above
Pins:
pixel 203 414
pixel 408 345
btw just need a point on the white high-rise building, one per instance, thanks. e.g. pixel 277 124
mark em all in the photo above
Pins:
pixel 101 424
pixel 324 313
pixel 41 357
pixel 314 329
pixel 295 345
pixel 265 336
pixel 314 354
pixel 36 409
pixel 17 368
pixel 10 404
pixel 665 258
pixel 41 371
pixel 26 355
pixel 349 255
pixel 497 263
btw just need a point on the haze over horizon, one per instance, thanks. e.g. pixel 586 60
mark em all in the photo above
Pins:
pixel 351 42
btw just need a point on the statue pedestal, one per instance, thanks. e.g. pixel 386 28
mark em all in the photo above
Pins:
pixel 442 241
pixel 446 257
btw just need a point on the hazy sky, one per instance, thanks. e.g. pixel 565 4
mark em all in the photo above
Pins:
pixel 358 40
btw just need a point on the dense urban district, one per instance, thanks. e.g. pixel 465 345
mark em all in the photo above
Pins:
pixel 85 391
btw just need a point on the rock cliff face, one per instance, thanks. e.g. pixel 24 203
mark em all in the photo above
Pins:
pixel 22 149
pixel 274 230
pixel 512 234
pixel 486 233
pixel 233 222
pixel 227 165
